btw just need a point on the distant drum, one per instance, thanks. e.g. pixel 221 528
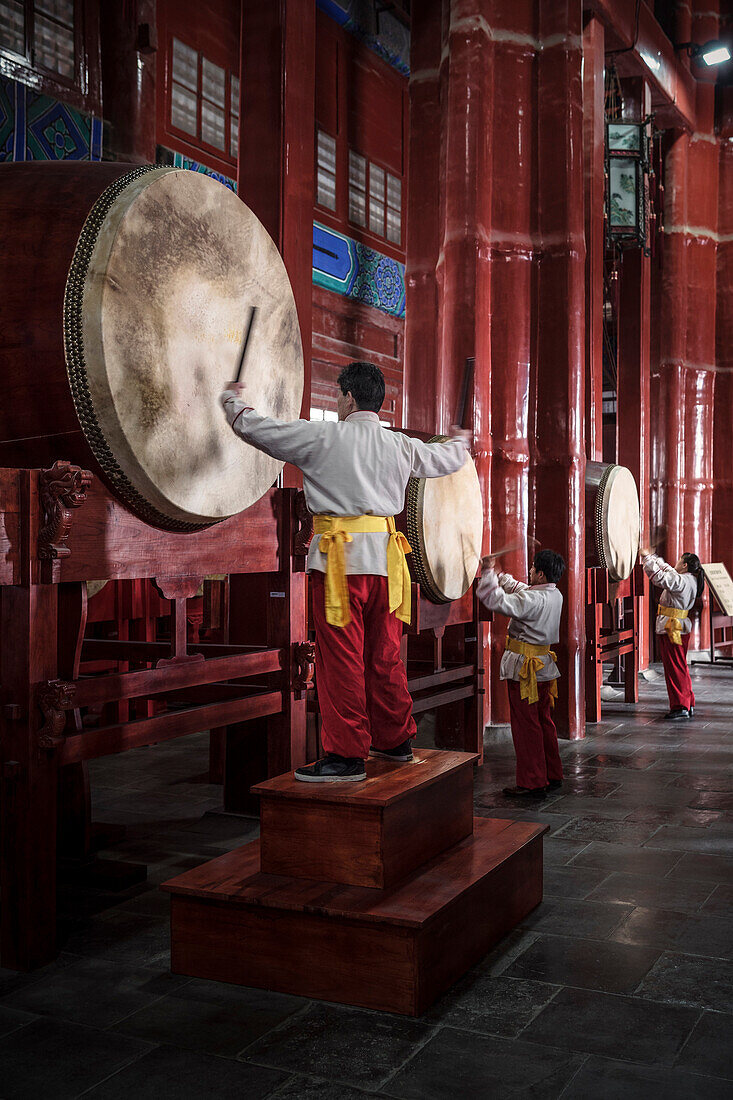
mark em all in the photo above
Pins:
pixel 612 519
pixel 445 526
pixel 133 288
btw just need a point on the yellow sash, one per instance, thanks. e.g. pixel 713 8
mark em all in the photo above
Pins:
pixel 334 532
pixel 530 668
pixel 672 615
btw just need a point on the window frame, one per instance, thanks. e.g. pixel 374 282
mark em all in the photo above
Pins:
pixel 84 89
pixel 185 142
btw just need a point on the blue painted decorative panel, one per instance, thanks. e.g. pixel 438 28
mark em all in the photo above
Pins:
pixel 350 268
pixel 180 161
pixel 378 29
pixel 38 127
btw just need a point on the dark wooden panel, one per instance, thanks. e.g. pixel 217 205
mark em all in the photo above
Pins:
pixel 298 953
pixel 9 527
pixel 375 846
pixel 149 731
pixel 461 905
pixel 385 780
pixel 108 541
pixel 236 878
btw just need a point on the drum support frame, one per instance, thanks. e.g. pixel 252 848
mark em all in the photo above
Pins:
pixel 59 528
pixel 605 642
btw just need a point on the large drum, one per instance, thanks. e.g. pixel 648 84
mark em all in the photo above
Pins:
pixel 612 519
pixel 445 525
pixel 129 297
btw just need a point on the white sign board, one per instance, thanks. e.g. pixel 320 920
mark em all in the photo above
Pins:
pixel 721 585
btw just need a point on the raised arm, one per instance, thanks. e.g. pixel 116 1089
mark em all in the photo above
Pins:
pixel 522 603
pixel 663 575
pixel 439 459
pixel 289 441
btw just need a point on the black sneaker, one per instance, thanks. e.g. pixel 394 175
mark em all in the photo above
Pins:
pixel 526 793
pixel 691 711
pixel 401 752
pixel 333 769
pixel 553 784
pixel 678 714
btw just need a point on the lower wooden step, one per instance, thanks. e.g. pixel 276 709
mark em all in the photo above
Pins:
pixel 395 950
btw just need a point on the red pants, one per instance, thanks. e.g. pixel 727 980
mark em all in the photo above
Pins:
pixel 534 736
pixel 676 672
pixel 361 679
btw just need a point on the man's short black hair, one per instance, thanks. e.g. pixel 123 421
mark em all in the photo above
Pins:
pixel 549 563
pixel 365 382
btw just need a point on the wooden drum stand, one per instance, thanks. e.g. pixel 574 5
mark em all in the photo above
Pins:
pixel 61 527
pixel 605 640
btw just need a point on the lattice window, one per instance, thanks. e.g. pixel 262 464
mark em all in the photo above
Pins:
pixel 42 32
pixel 326 171
pixel 357 188
pixel 204 99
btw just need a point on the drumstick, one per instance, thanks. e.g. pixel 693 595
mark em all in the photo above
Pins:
pixel 247 335
pixel 463 396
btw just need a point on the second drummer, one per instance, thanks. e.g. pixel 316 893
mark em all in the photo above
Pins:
pixel 681 586
pixel 529 667
pixel 355 473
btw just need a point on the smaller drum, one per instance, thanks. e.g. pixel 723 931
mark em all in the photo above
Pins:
pixel 445 526
pixel 612 519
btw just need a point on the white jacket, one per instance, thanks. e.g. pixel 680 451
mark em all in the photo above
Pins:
pixel 350 467
pixel 678 590
pixel 534 611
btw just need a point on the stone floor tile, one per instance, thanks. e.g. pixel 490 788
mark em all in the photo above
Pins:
pixel 355 1047
pixel 212 1017
pixel 11 1019
pixel 459 1064
pixel 720 901
pixel 709 1049
pixel 630 860
pixel 618 1027
pixel 690 980
pixel 682 896
pixel 492 1005
pixel 95 992
pixel 588 964
pixel 705 868
pixel 572 881
pixel 604 1079
pixel 715 840
pixel 588 919
pixel 52 1058
pixel 609 832
pixel 187 1075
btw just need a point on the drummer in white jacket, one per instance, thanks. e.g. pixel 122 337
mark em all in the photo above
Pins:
pixel 355 472
pixel 681 585
pixel 529 667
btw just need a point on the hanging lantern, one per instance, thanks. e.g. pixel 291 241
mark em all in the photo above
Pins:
pixel 627 167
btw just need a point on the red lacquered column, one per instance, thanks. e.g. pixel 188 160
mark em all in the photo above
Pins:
pixel 558 450
pixel 594 139
pixel 722 549
pixel 634 351
pixel 275 170
pixel 512 264
pixel 423 226
pixel 128 81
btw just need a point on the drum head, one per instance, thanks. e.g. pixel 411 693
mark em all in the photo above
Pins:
pixel 166 270
pixel 618 522
pixel 445 526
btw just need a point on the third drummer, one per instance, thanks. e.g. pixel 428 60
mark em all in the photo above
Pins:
pixel 528 665
pixel 355 473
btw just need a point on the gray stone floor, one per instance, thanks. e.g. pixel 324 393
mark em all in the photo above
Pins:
pixel 619 985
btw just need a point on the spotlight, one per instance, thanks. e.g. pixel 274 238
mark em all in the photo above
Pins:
pixel 713 52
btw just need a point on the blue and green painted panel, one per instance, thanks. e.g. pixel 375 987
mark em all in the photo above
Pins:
pixel 38 127
pixel 374 25
pixel 350 268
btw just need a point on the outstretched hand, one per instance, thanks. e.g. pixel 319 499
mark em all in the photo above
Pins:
pixel 488 562
pixel 456 432
pixel 235 387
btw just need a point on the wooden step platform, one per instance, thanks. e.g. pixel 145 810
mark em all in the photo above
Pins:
pixel 392 949
pixel 373 833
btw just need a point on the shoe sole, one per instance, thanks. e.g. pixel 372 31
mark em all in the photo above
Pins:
pixel 330 778
pixel 388 756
